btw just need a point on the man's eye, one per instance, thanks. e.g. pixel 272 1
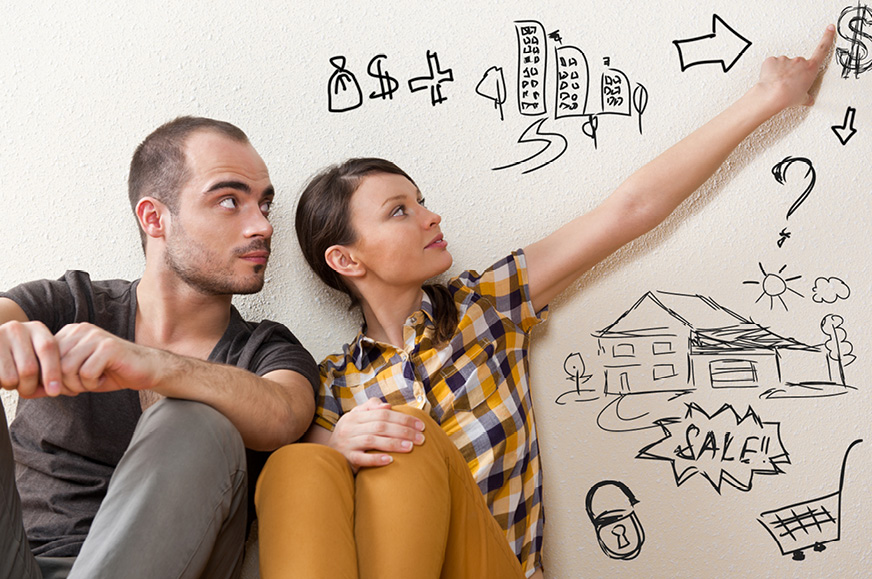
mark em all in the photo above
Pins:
pixel 422 202
pixel 228 203
pixel 266 206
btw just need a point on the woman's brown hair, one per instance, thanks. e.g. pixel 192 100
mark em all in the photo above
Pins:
pixel 324 219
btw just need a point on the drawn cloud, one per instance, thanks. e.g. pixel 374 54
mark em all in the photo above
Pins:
pixel 828 290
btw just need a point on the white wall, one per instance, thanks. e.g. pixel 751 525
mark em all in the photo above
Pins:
pixel 81 86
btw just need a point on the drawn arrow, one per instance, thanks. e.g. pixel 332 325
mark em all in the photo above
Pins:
pixel 723 46
pixel 846 130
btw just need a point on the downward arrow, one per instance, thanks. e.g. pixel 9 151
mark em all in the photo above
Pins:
pixel 723 46
pixel 846 130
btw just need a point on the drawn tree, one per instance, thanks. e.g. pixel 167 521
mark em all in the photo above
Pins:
pixel 838 347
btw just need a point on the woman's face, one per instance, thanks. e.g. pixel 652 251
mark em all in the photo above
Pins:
pixel 399 241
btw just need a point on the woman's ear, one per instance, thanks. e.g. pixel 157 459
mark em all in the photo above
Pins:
pixel 152 215
pixel 340 259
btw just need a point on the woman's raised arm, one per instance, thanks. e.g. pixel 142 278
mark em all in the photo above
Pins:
pixel 650 194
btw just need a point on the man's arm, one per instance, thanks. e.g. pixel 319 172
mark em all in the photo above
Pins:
pixel 269 411
pixel 648 196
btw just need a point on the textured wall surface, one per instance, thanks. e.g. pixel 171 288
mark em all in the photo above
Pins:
pixel 83 83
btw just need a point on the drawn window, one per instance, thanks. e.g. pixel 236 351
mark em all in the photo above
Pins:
pixel 623 351
pixel 733 373
pixel 625 383
pixel 662 371
pixel 662 348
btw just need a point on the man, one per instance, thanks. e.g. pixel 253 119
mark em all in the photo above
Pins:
pixel 87 358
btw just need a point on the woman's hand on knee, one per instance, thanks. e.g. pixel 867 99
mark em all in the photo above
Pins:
pixel 371 430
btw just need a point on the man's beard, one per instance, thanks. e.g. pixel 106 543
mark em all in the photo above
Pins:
pixel 197 267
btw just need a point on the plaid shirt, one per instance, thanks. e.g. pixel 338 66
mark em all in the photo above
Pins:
pixel 475 387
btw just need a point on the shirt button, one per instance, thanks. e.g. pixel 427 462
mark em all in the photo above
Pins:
pixel 420 398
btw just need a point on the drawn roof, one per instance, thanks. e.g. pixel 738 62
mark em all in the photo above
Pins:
pixel 711 325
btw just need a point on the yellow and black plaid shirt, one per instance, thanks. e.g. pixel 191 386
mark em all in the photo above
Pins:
pixel 476 387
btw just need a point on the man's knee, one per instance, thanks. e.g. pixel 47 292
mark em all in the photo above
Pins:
pixel 190 431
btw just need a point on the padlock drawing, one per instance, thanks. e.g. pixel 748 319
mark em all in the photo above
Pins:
pixel 610 505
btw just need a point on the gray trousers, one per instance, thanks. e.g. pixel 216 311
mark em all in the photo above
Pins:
pixel 175 507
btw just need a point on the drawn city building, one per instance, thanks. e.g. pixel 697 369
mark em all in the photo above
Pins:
pixel 671 342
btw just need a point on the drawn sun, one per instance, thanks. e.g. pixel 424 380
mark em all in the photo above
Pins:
pixel 775 286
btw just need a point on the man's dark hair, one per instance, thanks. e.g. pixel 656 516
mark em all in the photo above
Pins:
pixel 159 168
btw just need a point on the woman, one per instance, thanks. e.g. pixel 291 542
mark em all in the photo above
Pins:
pixel 458 354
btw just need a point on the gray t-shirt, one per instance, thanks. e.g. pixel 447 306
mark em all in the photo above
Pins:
pixel 66 448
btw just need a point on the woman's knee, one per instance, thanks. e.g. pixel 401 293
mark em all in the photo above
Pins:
pixel 303 468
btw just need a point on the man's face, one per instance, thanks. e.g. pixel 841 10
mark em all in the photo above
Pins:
pixel 219 241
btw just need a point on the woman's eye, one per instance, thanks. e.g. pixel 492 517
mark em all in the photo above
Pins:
pixel 228 203
pixel 399 211
pixel 422 202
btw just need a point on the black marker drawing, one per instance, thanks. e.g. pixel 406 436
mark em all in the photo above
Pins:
pixel 434 79
pixel 671 342
pixel 343 92
pixel 388 85
pixel 838 347
pixel 828 290
pixel 723 46
pixel 783 236
pixel 492 86
pixel 573 365
pixel 774 286
pixel 646 410
pixel 640 102
pixel 589 128
pixel 615 93
pixel 838 350
pixel 610 506
pixel 573 77
pixel 779 171
pixel 722 447
pixel 532 66
pixel 808 524
pixel 855 25
pixel 846 130
pixel 555 145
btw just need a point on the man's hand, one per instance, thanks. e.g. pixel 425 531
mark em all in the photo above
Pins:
pixel 30 360
pixel 373 426
pixel 94 360
pixel 79 358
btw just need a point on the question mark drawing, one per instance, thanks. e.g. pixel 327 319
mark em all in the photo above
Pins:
pixel 779 171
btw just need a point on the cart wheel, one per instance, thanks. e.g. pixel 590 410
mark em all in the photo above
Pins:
pixel 798 556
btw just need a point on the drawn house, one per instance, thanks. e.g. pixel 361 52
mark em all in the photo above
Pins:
pixel 671 342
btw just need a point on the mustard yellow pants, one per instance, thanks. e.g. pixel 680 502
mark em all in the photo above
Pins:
pixel 421 516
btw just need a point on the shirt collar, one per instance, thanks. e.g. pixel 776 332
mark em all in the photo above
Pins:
pixel 363 346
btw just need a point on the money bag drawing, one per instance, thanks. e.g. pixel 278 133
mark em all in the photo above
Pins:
pixel 343 91
pixel 610 505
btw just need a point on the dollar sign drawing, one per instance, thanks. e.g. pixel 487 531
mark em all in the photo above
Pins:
pixel 387 83
pixel 852 22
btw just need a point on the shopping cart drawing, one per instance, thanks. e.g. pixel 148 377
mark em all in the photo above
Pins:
pixel 809 524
